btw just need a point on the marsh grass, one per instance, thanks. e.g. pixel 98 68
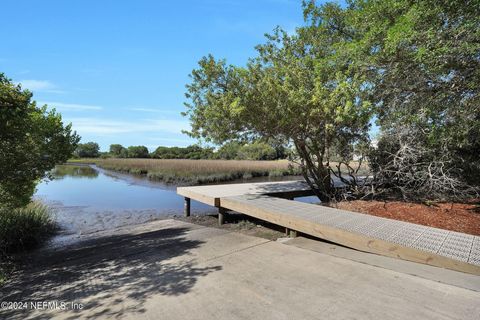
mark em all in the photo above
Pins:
pixel 24 228
pixel 198 171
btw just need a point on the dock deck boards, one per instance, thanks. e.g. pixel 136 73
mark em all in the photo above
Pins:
pixel 404 240
pixel 213 193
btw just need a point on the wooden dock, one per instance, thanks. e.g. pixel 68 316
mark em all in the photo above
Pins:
pixel 408 241
pixel 213 194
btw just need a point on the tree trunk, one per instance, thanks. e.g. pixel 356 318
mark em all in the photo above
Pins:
pixel 315 173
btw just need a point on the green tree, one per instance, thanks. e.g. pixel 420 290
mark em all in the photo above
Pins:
pixel 138 152
pixel 229 150
pixel 197 152
pixel 117 150
pixel 298 89
pixel 32 141
pixel 162 153
pixel 281 151
pixel 423 61
pixel 88 150
pixel 257 151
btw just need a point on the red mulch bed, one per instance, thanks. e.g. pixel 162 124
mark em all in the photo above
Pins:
pixel 460 217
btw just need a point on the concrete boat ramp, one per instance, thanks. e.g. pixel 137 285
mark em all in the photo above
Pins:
pixel 272 202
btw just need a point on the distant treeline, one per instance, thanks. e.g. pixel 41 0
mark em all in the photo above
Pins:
pixel 228 151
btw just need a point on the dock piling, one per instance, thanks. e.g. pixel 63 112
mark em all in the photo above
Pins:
pixel 222 212
pixel 186 207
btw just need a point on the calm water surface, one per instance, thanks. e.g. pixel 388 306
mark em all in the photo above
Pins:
pixel 87 199
pixel 101 190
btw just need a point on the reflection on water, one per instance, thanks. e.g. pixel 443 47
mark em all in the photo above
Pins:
pixel 63 171
pixel 92 187
pixel 88 199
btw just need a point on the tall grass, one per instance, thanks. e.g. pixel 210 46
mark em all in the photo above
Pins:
pixel 24 228
pixel 199 171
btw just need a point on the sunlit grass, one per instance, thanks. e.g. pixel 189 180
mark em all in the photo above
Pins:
pixel 198 171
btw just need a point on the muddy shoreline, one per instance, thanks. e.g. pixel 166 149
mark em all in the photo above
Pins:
pixel 139 200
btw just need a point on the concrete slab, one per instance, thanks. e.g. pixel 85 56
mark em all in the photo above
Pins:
pixel 175 270
pixel 451 277
pixel 393 238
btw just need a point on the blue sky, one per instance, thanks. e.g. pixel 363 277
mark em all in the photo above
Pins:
pixel 117 69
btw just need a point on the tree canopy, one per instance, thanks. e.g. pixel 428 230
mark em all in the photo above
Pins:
pixel 408 64
pixel 117 150
pixel 424 60
pixel 32 141
pixel 137 152
pixel 87 150
pixel 296 89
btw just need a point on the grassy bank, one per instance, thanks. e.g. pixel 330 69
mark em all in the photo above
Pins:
pixel 196 171
pixel 22 229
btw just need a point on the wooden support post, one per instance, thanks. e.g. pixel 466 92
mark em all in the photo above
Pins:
pixel 293 234
pixel 222 212
pixel 287 231
pixel 186 207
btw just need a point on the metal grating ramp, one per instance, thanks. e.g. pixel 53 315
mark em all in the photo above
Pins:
pixel 400 239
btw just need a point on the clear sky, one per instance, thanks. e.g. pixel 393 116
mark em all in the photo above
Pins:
pixel 117 69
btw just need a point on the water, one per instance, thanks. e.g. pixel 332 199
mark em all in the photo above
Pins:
pixel 98 189
pixel 87 199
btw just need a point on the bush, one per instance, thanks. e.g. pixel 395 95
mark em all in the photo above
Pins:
pixel 404 164
pixel 24 228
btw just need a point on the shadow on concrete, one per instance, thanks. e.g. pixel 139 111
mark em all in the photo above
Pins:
pixel 236 217
pixel 134 267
